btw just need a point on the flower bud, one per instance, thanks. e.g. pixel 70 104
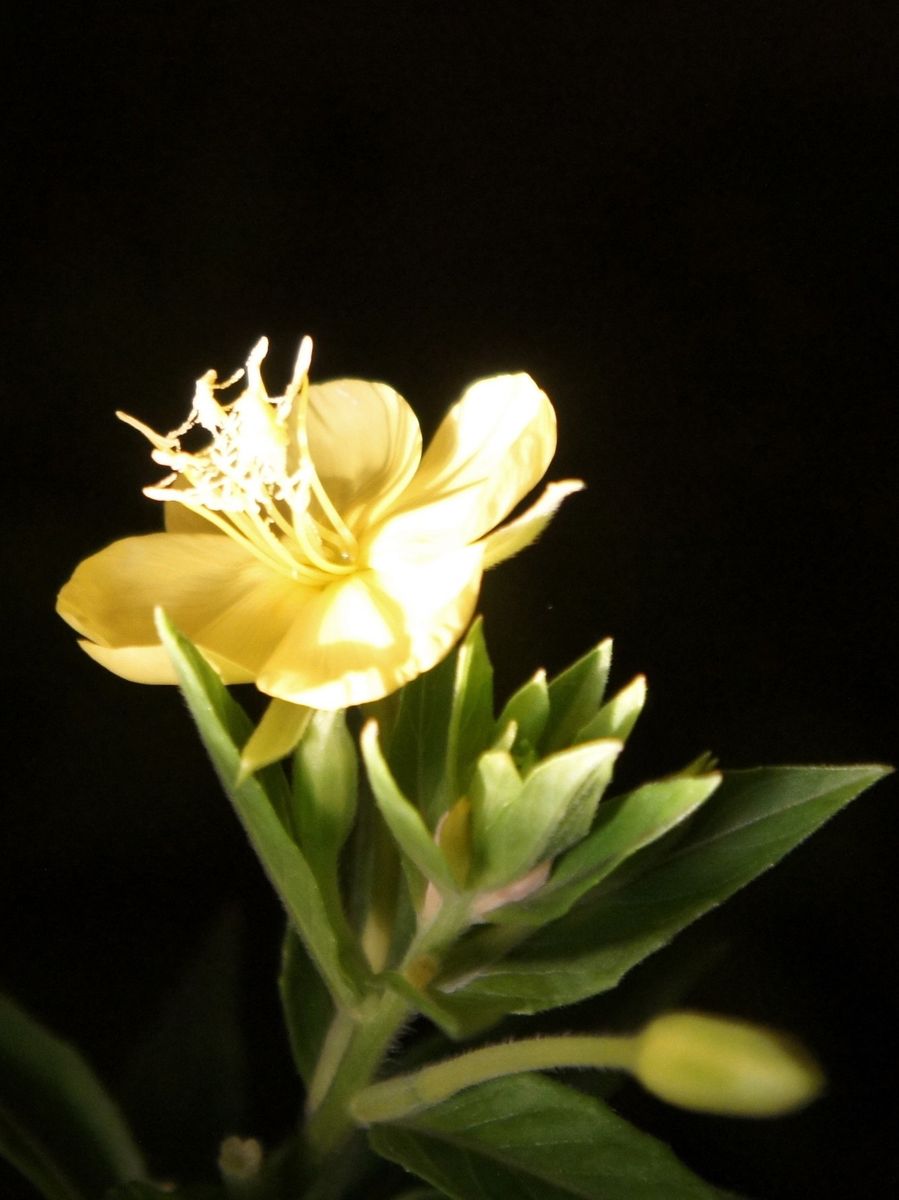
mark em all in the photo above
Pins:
pixel 732 1068
pixel 240 1162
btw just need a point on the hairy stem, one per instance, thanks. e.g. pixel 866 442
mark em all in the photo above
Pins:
pixel 405 1094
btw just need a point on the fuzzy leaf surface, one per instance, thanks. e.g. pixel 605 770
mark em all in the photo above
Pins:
pixel 575 694
pixel 625 825
pixel 754 819
pixel 306 1002
pixel 402 819
pixel 213 709
pixel 527 1137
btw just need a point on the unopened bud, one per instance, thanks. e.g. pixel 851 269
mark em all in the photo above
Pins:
pixel 714 1065
pixel 240 1161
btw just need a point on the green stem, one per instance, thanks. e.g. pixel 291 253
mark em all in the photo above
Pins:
pixel 358 1041
pixel 333 1049
pixel 405 1094
pixel 353 1051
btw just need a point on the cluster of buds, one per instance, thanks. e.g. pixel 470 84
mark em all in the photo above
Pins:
pixel 516 791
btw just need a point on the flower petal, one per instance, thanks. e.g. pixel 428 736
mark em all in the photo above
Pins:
pixel 366 445
pixel 492 447
pixel 178 519
pixel 251 617
pixel 234 607
pixel 510 538
pixel 371 632
pixel 139 664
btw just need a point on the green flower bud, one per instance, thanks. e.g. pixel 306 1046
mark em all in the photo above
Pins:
pixel 240 1164
pixel 714 1065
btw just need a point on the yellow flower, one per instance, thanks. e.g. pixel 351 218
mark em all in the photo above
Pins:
pixel 310 548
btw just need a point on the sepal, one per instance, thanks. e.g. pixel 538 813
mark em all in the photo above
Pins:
pixel 281 727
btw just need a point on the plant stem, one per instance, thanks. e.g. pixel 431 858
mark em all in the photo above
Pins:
pixel 405 1094
pixel 358 1041
pixel 353 1051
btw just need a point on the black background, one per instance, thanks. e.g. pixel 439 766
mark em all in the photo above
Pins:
pixel 676 217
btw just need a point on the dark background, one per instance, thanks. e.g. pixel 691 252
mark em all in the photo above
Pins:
pixel 677 217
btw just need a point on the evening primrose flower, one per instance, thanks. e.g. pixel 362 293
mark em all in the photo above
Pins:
pixel 310 548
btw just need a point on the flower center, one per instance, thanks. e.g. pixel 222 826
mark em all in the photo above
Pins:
pixel 256 480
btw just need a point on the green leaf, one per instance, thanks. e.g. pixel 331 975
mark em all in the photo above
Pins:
pixel 624 826
pixel 565 790
pixel 416 749
pixel 471 722
pixel 495 789
pixel 529 708
pixel 58 1125
pixel 445 720
pixel 553 808
pixel 216 715
pixel 750 823
pixel 308 1008
pixel 701 765
pixel 403 820
pixel 528 1136
pixel 618 717
pixel 575 695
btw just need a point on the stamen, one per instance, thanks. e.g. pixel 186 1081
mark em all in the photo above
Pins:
pixel 227 527
pixel 302 534
pixel 206 409
pixel 301 367
pixel 255 480
pixel 160 442
pixel 254 366
pixel 253 529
